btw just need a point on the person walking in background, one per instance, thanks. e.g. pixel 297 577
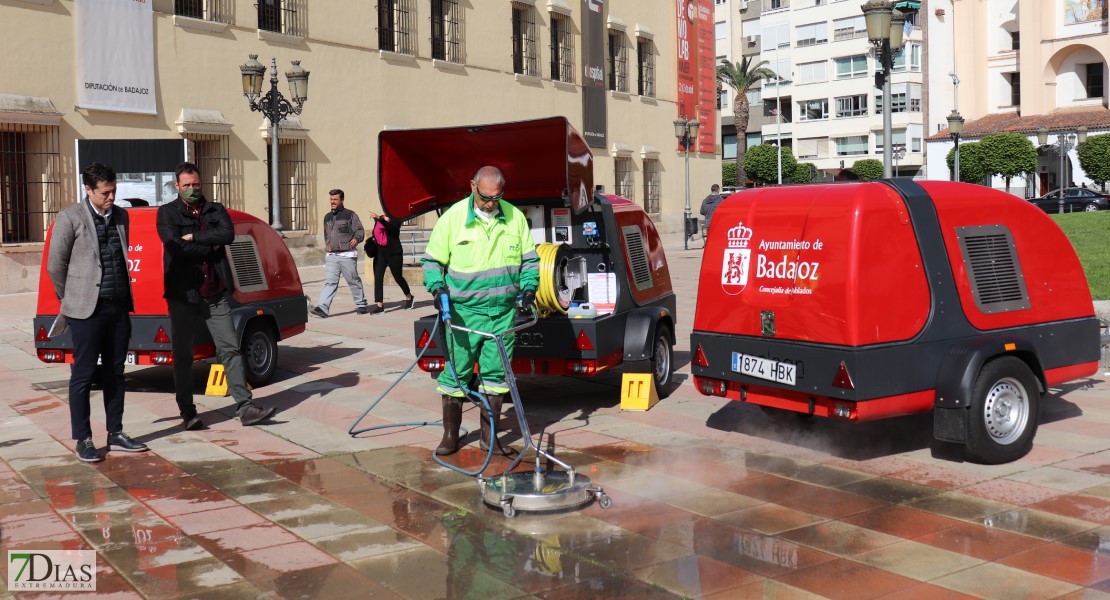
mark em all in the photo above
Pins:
pixel 387 235
pixel 87 264
pixel 709 205
pixel 342 234
pixel 198 285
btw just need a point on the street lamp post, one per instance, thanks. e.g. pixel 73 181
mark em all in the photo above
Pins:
pixel 1063 144
pixel 955 128
pixel 274 107
pixel 884 30
pixel 686 130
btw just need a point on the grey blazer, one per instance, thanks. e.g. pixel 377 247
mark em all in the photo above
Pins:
pixel 73 262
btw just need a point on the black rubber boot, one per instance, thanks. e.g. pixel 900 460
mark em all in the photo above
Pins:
pixel 495 406
pixel 452 420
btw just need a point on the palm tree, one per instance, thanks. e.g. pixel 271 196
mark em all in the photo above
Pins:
pixel 741 76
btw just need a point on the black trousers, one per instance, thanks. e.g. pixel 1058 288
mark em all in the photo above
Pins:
pixel 394 262
pixel 104 334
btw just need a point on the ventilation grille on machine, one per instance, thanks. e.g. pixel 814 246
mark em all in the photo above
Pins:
pixel 246 266
pixel 997 282
pixel 637 257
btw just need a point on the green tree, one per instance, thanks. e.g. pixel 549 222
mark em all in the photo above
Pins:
pixel 761 164
pixel 728 174
pixel 1094 157
pixel 1007 155
pixel 802 173
pixel 741 76
pixel 973 168
pixel 868 169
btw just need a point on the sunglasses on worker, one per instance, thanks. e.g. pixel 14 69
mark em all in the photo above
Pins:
pixel 485 198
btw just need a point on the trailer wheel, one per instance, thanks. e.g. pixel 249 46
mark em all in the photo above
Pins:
pixel 1005 406
pixel 662 361
pixel 260 352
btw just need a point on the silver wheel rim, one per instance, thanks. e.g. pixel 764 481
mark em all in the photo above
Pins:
pixel 1006 410
pixel 662 360
pixel 258 353
pixel 1091 208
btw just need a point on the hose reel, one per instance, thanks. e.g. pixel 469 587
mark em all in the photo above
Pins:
pixel 561 276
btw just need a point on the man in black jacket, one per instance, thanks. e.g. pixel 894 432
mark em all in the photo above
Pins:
pixel 198 287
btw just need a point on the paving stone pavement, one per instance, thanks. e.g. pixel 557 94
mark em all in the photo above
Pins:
pixel 711 499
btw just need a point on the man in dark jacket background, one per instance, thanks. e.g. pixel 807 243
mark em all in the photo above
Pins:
pixel 342 234
pixel 198 287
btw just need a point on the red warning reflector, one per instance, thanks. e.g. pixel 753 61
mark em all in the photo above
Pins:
pixel 161 337
pixel 584 342
pixel 843 379
pixel 699 358
pixel 425 340
pixel 41 335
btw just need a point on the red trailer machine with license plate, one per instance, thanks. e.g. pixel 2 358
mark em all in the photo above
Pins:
pixel 268 302
pixel 605 294
pixel 862 301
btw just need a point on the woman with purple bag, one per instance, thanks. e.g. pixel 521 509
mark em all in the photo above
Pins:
pixel 387 234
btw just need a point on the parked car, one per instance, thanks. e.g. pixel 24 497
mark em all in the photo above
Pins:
pixel 1075 199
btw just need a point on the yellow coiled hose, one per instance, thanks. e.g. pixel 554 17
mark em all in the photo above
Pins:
pixel 552 295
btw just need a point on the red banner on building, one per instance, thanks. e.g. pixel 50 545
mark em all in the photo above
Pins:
pixel 697 78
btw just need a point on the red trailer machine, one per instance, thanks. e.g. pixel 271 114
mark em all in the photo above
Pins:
pixel 862 301
pixel 605 288
pixel 269 304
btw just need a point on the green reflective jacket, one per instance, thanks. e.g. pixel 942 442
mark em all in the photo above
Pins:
pixel 484 266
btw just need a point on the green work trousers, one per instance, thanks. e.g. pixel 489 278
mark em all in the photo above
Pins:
pixel 464 349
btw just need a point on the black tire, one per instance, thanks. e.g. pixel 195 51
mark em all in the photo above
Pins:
pixel 1005 410
pixel 260 353
pixel 1092 207
pixel 662 361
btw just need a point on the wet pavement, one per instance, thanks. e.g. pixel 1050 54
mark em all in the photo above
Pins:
pixel 711 498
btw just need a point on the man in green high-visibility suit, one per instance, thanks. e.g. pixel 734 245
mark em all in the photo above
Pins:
pixel 481 256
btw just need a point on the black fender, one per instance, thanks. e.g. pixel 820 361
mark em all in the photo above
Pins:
pixel 242 316
pixel 956 379
pixel 639 335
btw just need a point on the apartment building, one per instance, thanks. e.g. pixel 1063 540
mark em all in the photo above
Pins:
pixel 823 103
pixel 373 65
pixel 1027 66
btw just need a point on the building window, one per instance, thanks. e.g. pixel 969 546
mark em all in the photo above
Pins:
pixel 1015 88
pixel 773 37
pixel 851 106
pixel 813 34
pixel 913 52
pixel 526 60
pixel 1015 40
pixel 720 29
pixel 728 146
pixel 618 62
pixel 208 10
pixel 783 72
pixel 813 110
pixel 624 178
pixel 770 5
pixel 396 26
pixel 904 97
pixel 853 145
pixel 812 72
pixel 755 96
pixel 645 61
pixel 446 31
pixel 812 148
pixel 849 29
pixel 848 67
pixel 1094 80
pixel 898 136
pixel 722 98
pixel 211 154
pixel 292 183
pixel 562 49
pixel 280 16
pixel 30 181
pixel 653 184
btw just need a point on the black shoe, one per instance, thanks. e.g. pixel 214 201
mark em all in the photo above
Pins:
pixel 194 424
pixel 375 309
pixel 409 303
pixel 362 310
pixel 254 414
pixel 319 312
pixel 86 451
pixel 120 441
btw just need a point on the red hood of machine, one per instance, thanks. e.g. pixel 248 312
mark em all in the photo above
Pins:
pixel 421 170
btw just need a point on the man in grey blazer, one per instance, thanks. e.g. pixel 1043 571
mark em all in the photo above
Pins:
pixel 87 263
